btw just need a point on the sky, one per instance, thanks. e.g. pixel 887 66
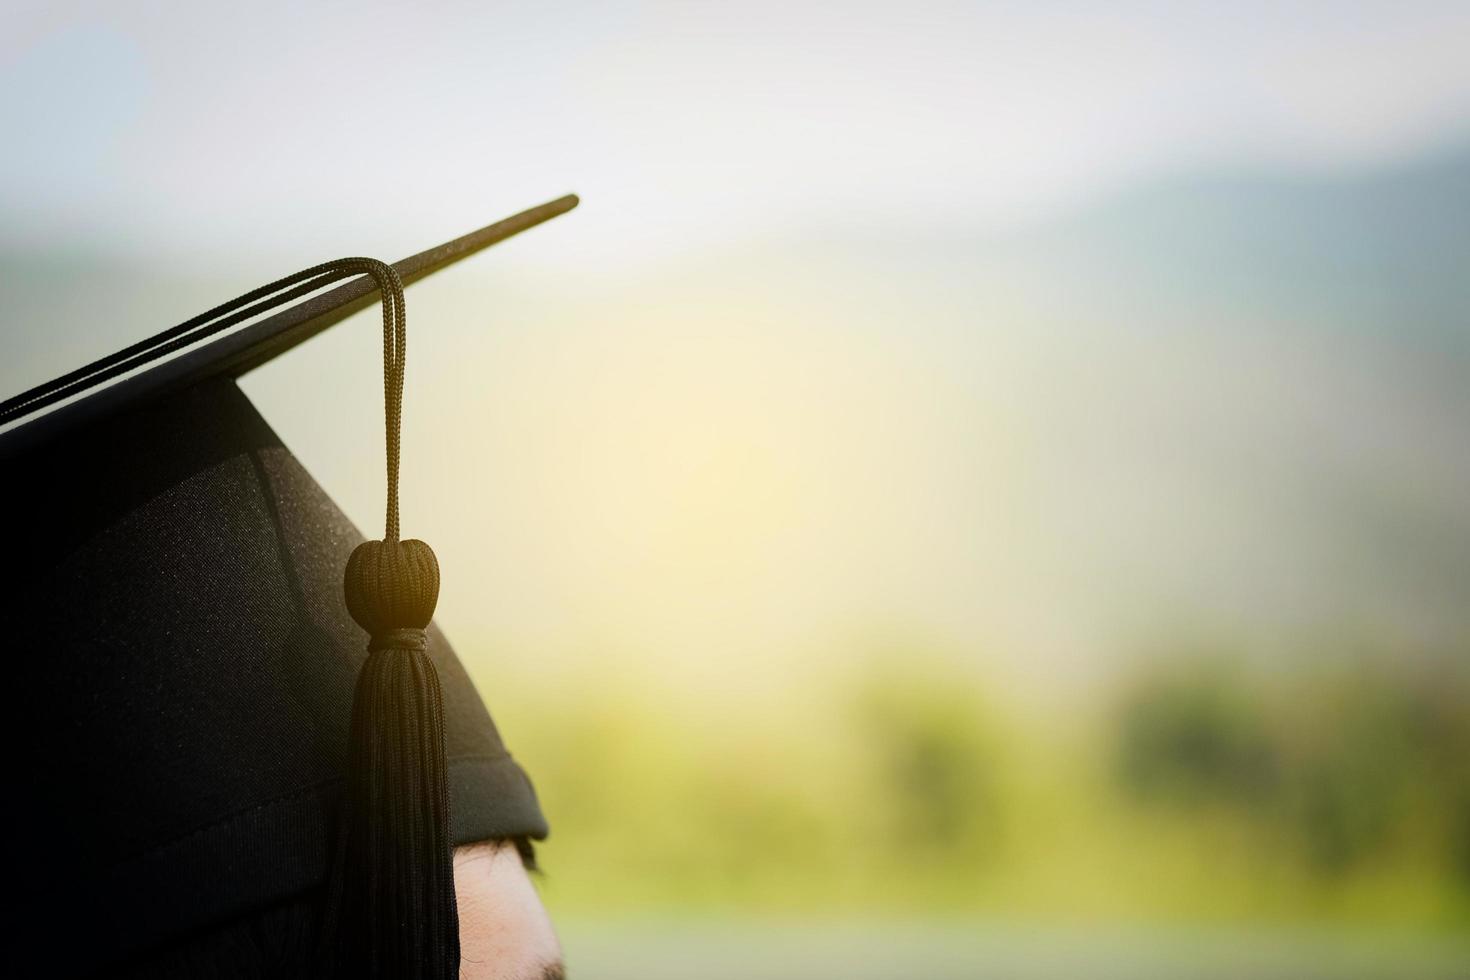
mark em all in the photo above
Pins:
pixel 761 393
pixel 195 131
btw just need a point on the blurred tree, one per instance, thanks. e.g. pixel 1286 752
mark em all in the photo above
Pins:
pixel 1193 735
pixel 1348 759
pixel 934 760
pixel 1353 754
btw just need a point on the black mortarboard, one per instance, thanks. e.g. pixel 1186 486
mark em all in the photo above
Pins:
pixel 186 660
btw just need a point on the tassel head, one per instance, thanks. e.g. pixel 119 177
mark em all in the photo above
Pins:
pixel 392 585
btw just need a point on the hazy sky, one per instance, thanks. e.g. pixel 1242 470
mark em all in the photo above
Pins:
pixel 197 129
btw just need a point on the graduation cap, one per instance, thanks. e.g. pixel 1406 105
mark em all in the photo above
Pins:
pixel 226 696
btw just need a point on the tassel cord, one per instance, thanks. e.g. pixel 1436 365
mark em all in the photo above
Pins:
pixel 260 300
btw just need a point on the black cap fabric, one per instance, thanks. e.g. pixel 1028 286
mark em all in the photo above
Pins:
pixel 186 662
pixel 193 671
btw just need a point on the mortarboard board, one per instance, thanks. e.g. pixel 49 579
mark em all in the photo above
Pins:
pixel 204 728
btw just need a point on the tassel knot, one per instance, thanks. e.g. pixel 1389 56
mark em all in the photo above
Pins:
pixel 392 585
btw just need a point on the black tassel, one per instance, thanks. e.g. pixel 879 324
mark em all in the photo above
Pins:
pixel 390 905
pixel 390 909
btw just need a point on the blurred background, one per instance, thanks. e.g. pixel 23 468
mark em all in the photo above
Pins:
pixel 975 490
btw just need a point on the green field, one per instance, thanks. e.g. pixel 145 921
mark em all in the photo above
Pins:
pixel 1195 818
